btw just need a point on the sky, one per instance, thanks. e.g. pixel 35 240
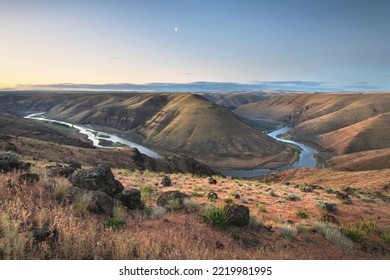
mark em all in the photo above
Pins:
pixel 343 43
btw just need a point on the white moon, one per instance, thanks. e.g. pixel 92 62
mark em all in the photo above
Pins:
pixel 176 29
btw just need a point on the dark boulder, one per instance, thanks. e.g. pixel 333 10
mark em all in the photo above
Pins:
pixel 212 196
pixel 166 181
pixel 98 202
pixel 99 178
pixel 165 197
pixel 131 199
pixel 239 214
pixel 28 178
pixel 61 171
pixel 74 165
pixel 10 161
pixel 212 181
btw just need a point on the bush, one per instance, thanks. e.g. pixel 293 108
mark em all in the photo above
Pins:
pixel 292 197
pixel 328 206
pixel 333 234
pixel 174 204
pixel 261 208
pixel 254 223
pixel 196 194
pixel 190 205
pixel 216 216
pixel 117 221
pixel 306 189
pixel 10 161
pixel 228 201
pixel 368 226
pixel 62 186
pixel 81 205
pixel 287 232
pixel 354 233
pixel 157 212
pixel 146 191
pixel 386 237
pixel 302 214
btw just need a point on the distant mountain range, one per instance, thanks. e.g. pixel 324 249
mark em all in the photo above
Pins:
pixel 201 87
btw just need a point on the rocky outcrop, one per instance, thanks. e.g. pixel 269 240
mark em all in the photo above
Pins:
pixel 99 178
pixel 131 199
pixel 60 171
pixel 165 197
pixel 166 181
pixel 98 202
pixel 238 214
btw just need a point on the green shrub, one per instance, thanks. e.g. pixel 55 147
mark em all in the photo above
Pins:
pixel 306 189
pixel 174 204
pixel 115 223
pixel 328 206
pixel 292 197
pixel 146 191
pixel 261 208
pixel 302 214
pixel 368 226
pixel 386 237
pixel 354 233
pixel 216 216
pixel 118 219
pixel 196 194
pixel 228 200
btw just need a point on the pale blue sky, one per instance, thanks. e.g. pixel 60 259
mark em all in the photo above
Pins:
pixel 340 43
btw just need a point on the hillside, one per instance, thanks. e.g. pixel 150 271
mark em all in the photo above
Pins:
pixel 168 123
pixel 286 220
pixel 234 99
pixel 339 123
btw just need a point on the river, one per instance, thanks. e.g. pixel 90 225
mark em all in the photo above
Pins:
pixel 306 157
pixel 96 136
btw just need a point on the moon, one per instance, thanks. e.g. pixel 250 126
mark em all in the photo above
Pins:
pixel 176 29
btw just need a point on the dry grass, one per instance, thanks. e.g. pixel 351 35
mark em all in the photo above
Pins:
pixel 156 234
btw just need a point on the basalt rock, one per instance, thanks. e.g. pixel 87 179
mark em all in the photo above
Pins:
pixel 239 214
pixel 99 178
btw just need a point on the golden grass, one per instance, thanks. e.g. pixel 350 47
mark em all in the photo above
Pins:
pixel 176 235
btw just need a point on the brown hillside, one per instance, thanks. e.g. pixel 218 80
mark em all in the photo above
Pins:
pixel 169 123
pixel 344 123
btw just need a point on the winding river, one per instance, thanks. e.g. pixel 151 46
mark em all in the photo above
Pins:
pixel 306 157
pixel 97 136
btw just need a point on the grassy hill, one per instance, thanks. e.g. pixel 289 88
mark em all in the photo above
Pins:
pixel 286 219
pixel 343 123
pixel 169 123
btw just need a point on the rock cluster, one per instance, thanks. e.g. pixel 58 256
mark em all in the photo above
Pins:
pixel 99 187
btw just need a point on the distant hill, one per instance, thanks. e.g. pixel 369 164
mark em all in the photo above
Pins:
pixel 234 99
pixel 340 123
pixel 168 122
